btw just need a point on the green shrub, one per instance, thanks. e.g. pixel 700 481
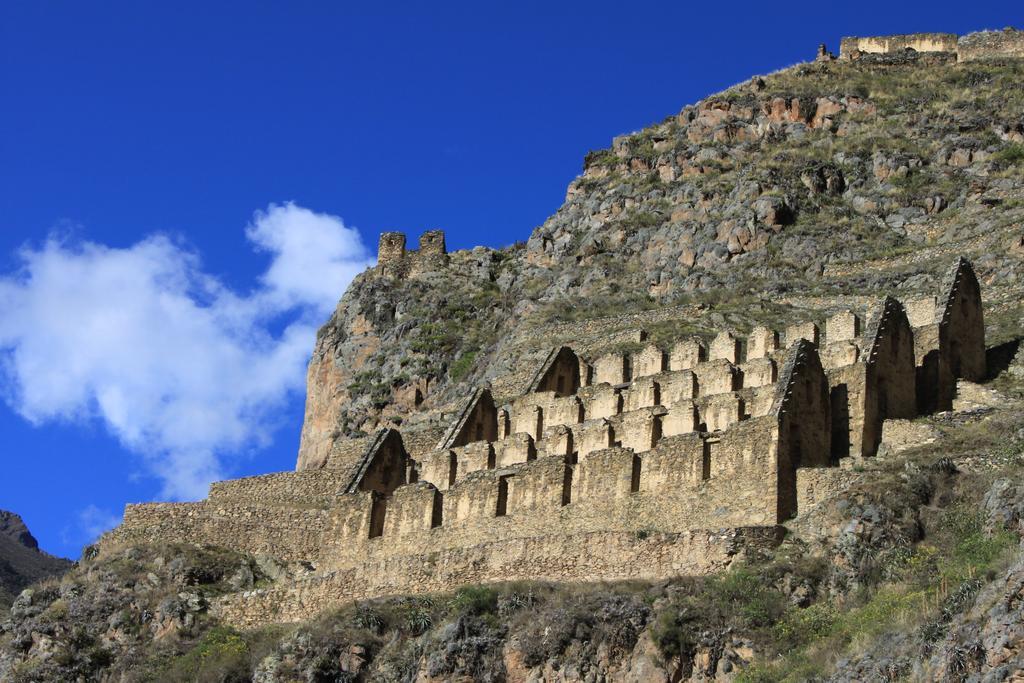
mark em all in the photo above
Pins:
pixel 744 593
pixel 1011 155
pixel 461 367
pixel 476 600
pixel 801 626
pixel 220 656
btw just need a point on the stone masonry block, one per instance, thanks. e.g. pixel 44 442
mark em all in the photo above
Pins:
pixel 839 354
pixel 605 401
pixel 677 386
pixel 527 419
pixel 675 464
pixel 605 475
pixel 725 347
pixel 806 330
pixel 716 377
pixel 642 393
pixel 682 418
pixel 540 485
pixel 842 326
pixel 649 361
pixel 762 342
pixel 595 435
pixel 436 467
pixel 640 430
pixel 410 509
pixel 759 372
pixel 475 456
pixel 517 448
pixel 564 411
pixel 686 354
pixel 611 368
pixel 722 411
pixel 559 440
pixel 473 500
pixel 504 423
pixel 921 312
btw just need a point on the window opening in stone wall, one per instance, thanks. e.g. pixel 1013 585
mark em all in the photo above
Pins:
pixel 491 459
pixel 705 466
pixel 437 511
pixel 540 424
pixel 453 468
pixel 502 507
pixel 796 447
pixel 883 400
pixel 378 508
pixel 634 481
pixel 840 404
pixel 567 486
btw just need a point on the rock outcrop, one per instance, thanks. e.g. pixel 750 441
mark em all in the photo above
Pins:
pixel 21 560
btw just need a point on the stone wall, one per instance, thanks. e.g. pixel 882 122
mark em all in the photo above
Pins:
pixel 920 42
pixel 1008 43
pixel 616 450
pixel 818 485
pixel 982 45
pixel 394 260
pixel 595 556
pixel 949 339
pixel 477 421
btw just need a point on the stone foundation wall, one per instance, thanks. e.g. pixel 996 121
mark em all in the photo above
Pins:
pixel 920 42
pixel 815 485
pixel 594 556
pixel 1008 43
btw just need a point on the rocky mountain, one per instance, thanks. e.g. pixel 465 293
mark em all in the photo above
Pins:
pixel 823 185
pixel 21 560
pixel 912 573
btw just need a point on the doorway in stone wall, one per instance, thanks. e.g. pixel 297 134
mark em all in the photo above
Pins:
pixel 378 510
pixel 839 400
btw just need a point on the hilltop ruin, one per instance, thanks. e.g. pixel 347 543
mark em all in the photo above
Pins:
pixel 975 46
pixel 644 464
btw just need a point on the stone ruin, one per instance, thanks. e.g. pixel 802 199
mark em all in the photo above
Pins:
pixel 394 260
pixel 641 465
pixel 1008 43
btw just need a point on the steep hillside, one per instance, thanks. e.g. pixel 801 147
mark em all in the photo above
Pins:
pixel 823 184
pixel 21 560
pixel 912 572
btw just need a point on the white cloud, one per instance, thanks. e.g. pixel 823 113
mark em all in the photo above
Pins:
pixel 180 368
pixel 93 522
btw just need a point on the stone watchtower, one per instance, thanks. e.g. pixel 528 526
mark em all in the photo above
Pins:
pixel 432 254
pixel 393 260
pixel 432 244
pixel 390 253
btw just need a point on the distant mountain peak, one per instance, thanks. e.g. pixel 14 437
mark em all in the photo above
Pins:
pixel 13 526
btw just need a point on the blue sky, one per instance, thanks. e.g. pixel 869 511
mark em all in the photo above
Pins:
pixel 183 186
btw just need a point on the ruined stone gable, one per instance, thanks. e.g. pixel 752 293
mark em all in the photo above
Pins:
pixel 670 460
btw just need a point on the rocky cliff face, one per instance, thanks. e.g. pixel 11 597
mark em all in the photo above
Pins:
pixel 823 183
pixel 21 560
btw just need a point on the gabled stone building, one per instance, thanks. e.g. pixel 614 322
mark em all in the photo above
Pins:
pixel 648 464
